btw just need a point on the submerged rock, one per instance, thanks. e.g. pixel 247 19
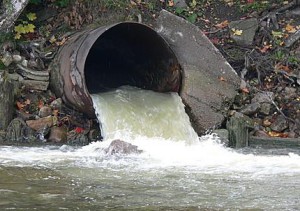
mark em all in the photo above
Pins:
pixel 122 147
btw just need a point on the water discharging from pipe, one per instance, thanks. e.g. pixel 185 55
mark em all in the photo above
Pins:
pixel 127 112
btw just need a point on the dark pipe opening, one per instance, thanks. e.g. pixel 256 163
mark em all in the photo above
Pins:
pixel 131 54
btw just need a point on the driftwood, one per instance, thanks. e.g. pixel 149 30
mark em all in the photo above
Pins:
pixel 11 11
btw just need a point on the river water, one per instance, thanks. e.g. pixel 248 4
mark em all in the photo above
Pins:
pixel 176 171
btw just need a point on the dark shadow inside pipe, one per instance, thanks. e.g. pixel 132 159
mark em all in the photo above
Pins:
pixel 131 54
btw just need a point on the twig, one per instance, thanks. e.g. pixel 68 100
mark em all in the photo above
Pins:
pixel 278 109
pixel 292 39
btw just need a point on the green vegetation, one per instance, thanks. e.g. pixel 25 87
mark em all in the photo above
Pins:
pixel 2 66
pixel 25 26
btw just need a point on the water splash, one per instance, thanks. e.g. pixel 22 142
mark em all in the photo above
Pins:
pixel 129 112
pixel 158 126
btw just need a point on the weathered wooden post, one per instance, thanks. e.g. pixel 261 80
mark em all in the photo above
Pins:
pixel 6 100
pixel 238 127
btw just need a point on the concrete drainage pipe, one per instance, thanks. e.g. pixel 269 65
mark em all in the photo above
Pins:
pixel 126 53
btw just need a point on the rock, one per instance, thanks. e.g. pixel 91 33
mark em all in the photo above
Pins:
pixel 45 111
pixel 291 134
pixel 223 134
pixel 24 63
pixel 7 59
pixel 295 11
pixel 265 108
pixel 94 135
pixel 17 131
pixel 25 116
pixel 42 133
pixel 263 97
pixel 290 92
pixel 58 134
pixel 35 85
pixel 260 133
pixel 266 122
pixel 78 139
pixel 56 104
pixel 15 77
pixel 41 123
pixel 280 124
pixel 180 4
pixel 17 58
pixel 121 147
pixel 250 109
pixel 248 29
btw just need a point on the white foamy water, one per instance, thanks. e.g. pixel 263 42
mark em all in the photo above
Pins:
pixel 158 125
pixel 176 170
pixel 208 155
pixel 129 112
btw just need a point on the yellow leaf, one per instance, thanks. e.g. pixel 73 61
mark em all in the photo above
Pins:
pixel 20 29
pixel 31 16
pixel 17 36
pixel 193 3
pixel 290 29
pixel 29 28
pixel 52 39
pixel 237 32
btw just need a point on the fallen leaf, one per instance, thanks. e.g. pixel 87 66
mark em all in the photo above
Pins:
pixel 215 40
pixel 222 24
pixel 29 28
pixel 20 105
pixel 277 134
pixel 277 34
pixel 290 29
pixel 79 129
pixel 60 43
pixel 55 112
pixel 40 104
pixel 31 16
pixel 245 90
pixel 17 36
pixel 237 32
pixel 281 67
pixel 265 48
pixel 52 39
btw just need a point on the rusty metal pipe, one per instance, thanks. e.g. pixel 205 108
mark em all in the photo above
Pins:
pixel 108 57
